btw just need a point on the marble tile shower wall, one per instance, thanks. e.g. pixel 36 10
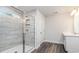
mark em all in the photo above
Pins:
pixel 30 31
pixel 10 32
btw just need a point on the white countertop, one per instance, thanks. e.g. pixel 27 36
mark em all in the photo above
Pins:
pixel 70 34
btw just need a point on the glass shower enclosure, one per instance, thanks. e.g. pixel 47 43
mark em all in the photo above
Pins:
pixel 16 31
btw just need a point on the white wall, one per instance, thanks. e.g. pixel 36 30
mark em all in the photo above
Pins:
pixel 57 24
pixel 39 28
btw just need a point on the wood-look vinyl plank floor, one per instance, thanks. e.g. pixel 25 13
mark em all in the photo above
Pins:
pixel 47 47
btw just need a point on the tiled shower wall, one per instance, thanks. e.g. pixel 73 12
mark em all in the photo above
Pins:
pixel 29 29
pixel 10 32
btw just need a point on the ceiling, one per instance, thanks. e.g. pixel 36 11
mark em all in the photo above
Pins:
pixel 48 10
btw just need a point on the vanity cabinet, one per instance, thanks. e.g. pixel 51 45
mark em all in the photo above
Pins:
pixel 71 43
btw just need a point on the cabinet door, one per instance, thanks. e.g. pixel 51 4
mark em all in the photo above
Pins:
pixel 72 44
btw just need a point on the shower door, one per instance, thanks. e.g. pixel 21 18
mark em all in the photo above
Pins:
pixel 29 29
pixel 10 32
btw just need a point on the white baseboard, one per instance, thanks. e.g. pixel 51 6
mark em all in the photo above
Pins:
pixel 53 41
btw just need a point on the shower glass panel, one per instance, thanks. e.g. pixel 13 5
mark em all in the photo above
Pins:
pixel 10 30
pixel 29 29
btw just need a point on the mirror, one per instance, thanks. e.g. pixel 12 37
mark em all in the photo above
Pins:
pixel 76 23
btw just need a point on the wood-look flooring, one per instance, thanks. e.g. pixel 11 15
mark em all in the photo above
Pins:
pixel 47 47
